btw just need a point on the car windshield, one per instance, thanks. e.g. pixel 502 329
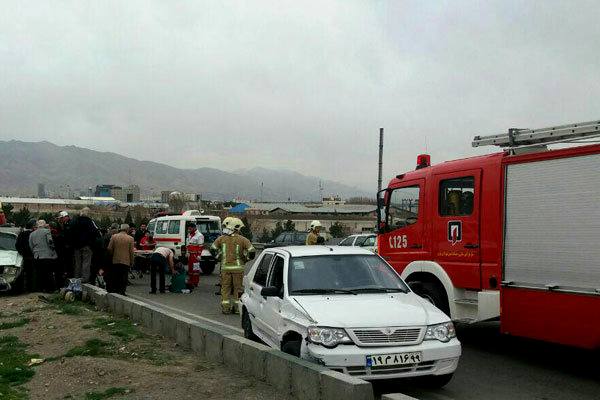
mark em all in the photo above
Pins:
pixel 210 229
pixel 7 242
pixel 340 274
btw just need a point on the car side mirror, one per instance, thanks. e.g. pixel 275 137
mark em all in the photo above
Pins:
pixel 270 291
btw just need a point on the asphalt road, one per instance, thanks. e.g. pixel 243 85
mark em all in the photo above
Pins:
pixel 492 367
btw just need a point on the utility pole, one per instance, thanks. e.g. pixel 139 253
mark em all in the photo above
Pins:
pixel 379 177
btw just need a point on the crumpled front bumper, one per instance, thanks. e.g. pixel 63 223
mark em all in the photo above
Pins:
pixel 6 282
pixel 437 359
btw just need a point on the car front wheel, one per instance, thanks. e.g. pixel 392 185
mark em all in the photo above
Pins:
pixel 247 327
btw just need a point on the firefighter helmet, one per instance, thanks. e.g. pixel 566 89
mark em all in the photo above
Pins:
pixel 227 222
pixel 237 224
pixel 315 224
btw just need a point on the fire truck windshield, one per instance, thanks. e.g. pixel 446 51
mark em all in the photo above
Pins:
pixel 398 208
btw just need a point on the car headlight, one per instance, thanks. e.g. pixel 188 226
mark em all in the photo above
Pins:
pixel 328 337
pixel 9 270
pixel 442 332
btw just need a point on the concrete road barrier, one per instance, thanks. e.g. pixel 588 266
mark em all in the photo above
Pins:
pixel 291 375
pixel 396 396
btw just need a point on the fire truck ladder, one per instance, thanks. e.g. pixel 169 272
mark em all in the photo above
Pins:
pixel 536 137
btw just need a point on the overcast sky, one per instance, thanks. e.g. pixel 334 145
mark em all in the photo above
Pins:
pixel 298 85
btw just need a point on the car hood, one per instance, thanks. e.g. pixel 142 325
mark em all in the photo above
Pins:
pixel 10 257
pixel 370 310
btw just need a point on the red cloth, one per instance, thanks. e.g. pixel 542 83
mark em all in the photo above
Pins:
pixel 146 244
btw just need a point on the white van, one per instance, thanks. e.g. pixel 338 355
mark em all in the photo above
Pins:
pixel 171 231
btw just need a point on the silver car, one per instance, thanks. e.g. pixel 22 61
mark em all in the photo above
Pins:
pixel 11 264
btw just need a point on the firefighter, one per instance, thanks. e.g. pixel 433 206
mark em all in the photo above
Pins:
pixel 233 250
pixel 313 237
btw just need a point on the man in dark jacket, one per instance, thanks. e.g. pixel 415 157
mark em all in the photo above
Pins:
pixel 64 246
pixel 84 236
pixel 24 250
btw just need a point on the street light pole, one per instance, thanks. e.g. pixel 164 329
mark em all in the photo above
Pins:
pixel 379 178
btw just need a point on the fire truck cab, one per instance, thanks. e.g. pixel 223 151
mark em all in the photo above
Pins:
pixel 512 235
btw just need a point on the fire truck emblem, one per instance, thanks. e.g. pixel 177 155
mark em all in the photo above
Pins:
pixel 454 232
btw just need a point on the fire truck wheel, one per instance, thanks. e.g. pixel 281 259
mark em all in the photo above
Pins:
pixel 247 327
pixel 432 292
pixel 208 268
pixel 437 381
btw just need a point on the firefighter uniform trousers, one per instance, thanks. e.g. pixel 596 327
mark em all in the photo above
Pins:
pixel 231 287
pixel 233 254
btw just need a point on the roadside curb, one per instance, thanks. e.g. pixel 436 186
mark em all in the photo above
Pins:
pixel 290 375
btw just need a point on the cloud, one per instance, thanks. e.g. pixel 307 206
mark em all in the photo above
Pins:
pixel 294 85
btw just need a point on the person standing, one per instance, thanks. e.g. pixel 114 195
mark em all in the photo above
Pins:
pixel 120 248
pixel 194 247
pixel 44 258
pixel 139 234
pixel 161 259
pixel 64 245
pixel 24 250
pixel 85 233
pixel 313 236
pixel 233 250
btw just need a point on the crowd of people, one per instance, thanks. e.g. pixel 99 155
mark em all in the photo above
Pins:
pixel 75 247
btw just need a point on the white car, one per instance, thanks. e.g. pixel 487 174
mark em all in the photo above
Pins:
pixel 347 309
pixel 367 241
pixel 11 264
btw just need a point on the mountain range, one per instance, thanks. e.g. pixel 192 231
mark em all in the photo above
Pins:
pixel 25 164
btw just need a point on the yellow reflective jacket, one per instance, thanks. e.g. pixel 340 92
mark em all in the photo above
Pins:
pixel 233 251
pixel 312 238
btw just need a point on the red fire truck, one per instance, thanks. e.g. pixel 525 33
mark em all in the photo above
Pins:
pixel 513 235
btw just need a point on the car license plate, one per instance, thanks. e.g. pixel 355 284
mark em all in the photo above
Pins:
pixel 394 359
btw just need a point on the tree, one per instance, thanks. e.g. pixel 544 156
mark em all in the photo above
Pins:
pixel 337 230
pixel 105 222
pixel 7 210
pixel 361 200
pixel 138 220
pixel 265 236
pixel 245 231
pixel 128 219
pixel 21 217
pixel 48 217
pixel 278 229
pixel 289 226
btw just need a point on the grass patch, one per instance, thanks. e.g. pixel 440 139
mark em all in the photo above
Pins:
pixel 13 368
pixel 155 357
pixel 107 394
pixel 76 307
pixel 121 328
pixel 14 324
pixel 92 348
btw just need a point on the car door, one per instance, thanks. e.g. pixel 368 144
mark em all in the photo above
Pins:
pixel 404 240
pixel 256 302
pixel 272 306
pixel 456 226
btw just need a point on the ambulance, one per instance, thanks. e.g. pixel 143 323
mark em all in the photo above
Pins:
pixel 171 231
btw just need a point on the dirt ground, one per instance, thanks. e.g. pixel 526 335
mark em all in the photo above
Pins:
pixel 90 355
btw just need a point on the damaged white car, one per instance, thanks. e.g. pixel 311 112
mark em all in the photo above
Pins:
pixel 11 264
pixel 347 309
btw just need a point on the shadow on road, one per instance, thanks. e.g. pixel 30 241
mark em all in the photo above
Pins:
pixel 496 366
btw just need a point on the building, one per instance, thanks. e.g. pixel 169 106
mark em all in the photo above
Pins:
pixel 41 190
pixel 355 218
pixel 126 194
pixel 188 197
pixel 333 201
